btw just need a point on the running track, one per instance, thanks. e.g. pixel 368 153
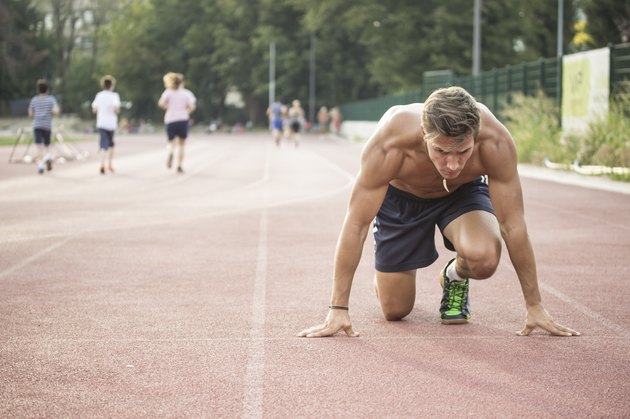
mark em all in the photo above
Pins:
pixel 147 294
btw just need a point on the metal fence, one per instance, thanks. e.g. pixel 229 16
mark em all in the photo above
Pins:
pixel 496 87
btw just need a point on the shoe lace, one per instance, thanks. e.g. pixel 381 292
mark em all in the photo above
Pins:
pixel 457 293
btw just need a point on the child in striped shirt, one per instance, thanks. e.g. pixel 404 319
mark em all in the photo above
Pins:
pixel 42 108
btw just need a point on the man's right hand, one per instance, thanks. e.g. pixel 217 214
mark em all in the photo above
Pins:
pixel 336 320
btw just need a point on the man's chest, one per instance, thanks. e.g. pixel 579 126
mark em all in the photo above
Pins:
pixel 420 177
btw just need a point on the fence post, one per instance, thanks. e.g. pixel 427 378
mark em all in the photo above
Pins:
pixel 559 86
pixel 495 89
pixel 541 82
pixel 559 89
pixel 612 78
pixel 509 84
pixel 524 79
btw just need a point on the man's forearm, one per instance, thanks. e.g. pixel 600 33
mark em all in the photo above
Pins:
pixel 524 262
pixel 347 257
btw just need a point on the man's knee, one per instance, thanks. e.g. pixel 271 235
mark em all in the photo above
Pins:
pixel 396 293
pixel 483 262
pixel 394 313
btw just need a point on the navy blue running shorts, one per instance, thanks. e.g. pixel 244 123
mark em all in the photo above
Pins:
pixel 404 228
pixel 106 138
pixel 177 129
pixel 42 136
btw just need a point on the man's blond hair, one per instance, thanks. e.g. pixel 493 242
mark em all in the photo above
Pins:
pixel 451 112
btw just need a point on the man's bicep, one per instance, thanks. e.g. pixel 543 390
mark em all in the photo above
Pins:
pixel 365 202
pixel 507 199
pixel 379 165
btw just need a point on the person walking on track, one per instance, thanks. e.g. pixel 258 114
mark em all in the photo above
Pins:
pixel 42 108
pixel 179 103
pixel 106 106
pixel 449 163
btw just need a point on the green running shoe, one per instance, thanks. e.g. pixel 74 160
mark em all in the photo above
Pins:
pixel 455 308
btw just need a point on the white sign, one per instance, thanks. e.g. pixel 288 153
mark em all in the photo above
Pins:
pixel 585 89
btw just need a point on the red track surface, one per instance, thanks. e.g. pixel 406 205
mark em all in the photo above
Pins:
pixel 147 294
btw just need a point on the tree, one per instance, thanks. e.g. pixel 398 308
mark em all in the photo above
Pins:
pixel 22 49
pixel 608 21
pixel 134 55
pixel 541 25
pixel 365 48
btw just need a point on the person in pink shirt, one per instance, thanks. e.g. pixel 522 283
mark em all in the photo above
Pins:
pixel 179 103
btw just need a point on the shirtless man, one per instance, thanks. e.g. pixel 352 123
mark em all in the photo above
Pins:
pixel 448 162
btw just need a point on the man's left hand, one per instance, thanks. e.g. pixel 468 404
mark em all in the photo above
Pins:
pixel 537 316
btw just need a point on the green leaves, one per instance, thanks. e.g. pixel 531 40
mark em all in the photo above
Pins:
pixel 364 48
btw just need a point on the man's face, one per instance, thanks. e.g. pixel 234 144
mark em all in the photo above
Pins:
pixel 450 155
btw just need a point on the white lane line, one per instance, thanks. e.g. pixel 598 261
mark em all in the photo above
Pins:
pixel 620 330
pixel 576 305
pixel 333 166
pixel 34 257
pixel 255 370
pixel 262 204
pixel 230 211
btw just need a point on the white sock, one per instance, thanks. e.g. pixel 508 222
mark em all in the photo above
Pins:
pixel 452 274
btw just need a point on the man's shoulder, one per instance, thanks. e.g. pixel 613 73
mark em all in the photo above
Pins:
pixel 398 129
pixel 398 117
pixel 410 110
pixel 491 130
pixel 497 150
pixel 402 119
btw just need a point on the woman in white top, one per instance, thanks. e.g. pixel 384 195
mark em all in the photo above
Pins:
pixel 179 103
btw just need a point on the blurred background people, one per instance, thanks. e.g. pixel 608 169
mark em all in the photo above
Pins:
pixel 275 112
pixel 296 121
pixel 322 119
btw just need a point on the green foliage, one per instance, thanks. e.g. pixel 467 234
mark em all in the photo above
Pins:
pixel 608 21
pixel 132 54
pixel 606 142
pixel 533 123
pixel 364 48
pixel 81 86
pixel 24 49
